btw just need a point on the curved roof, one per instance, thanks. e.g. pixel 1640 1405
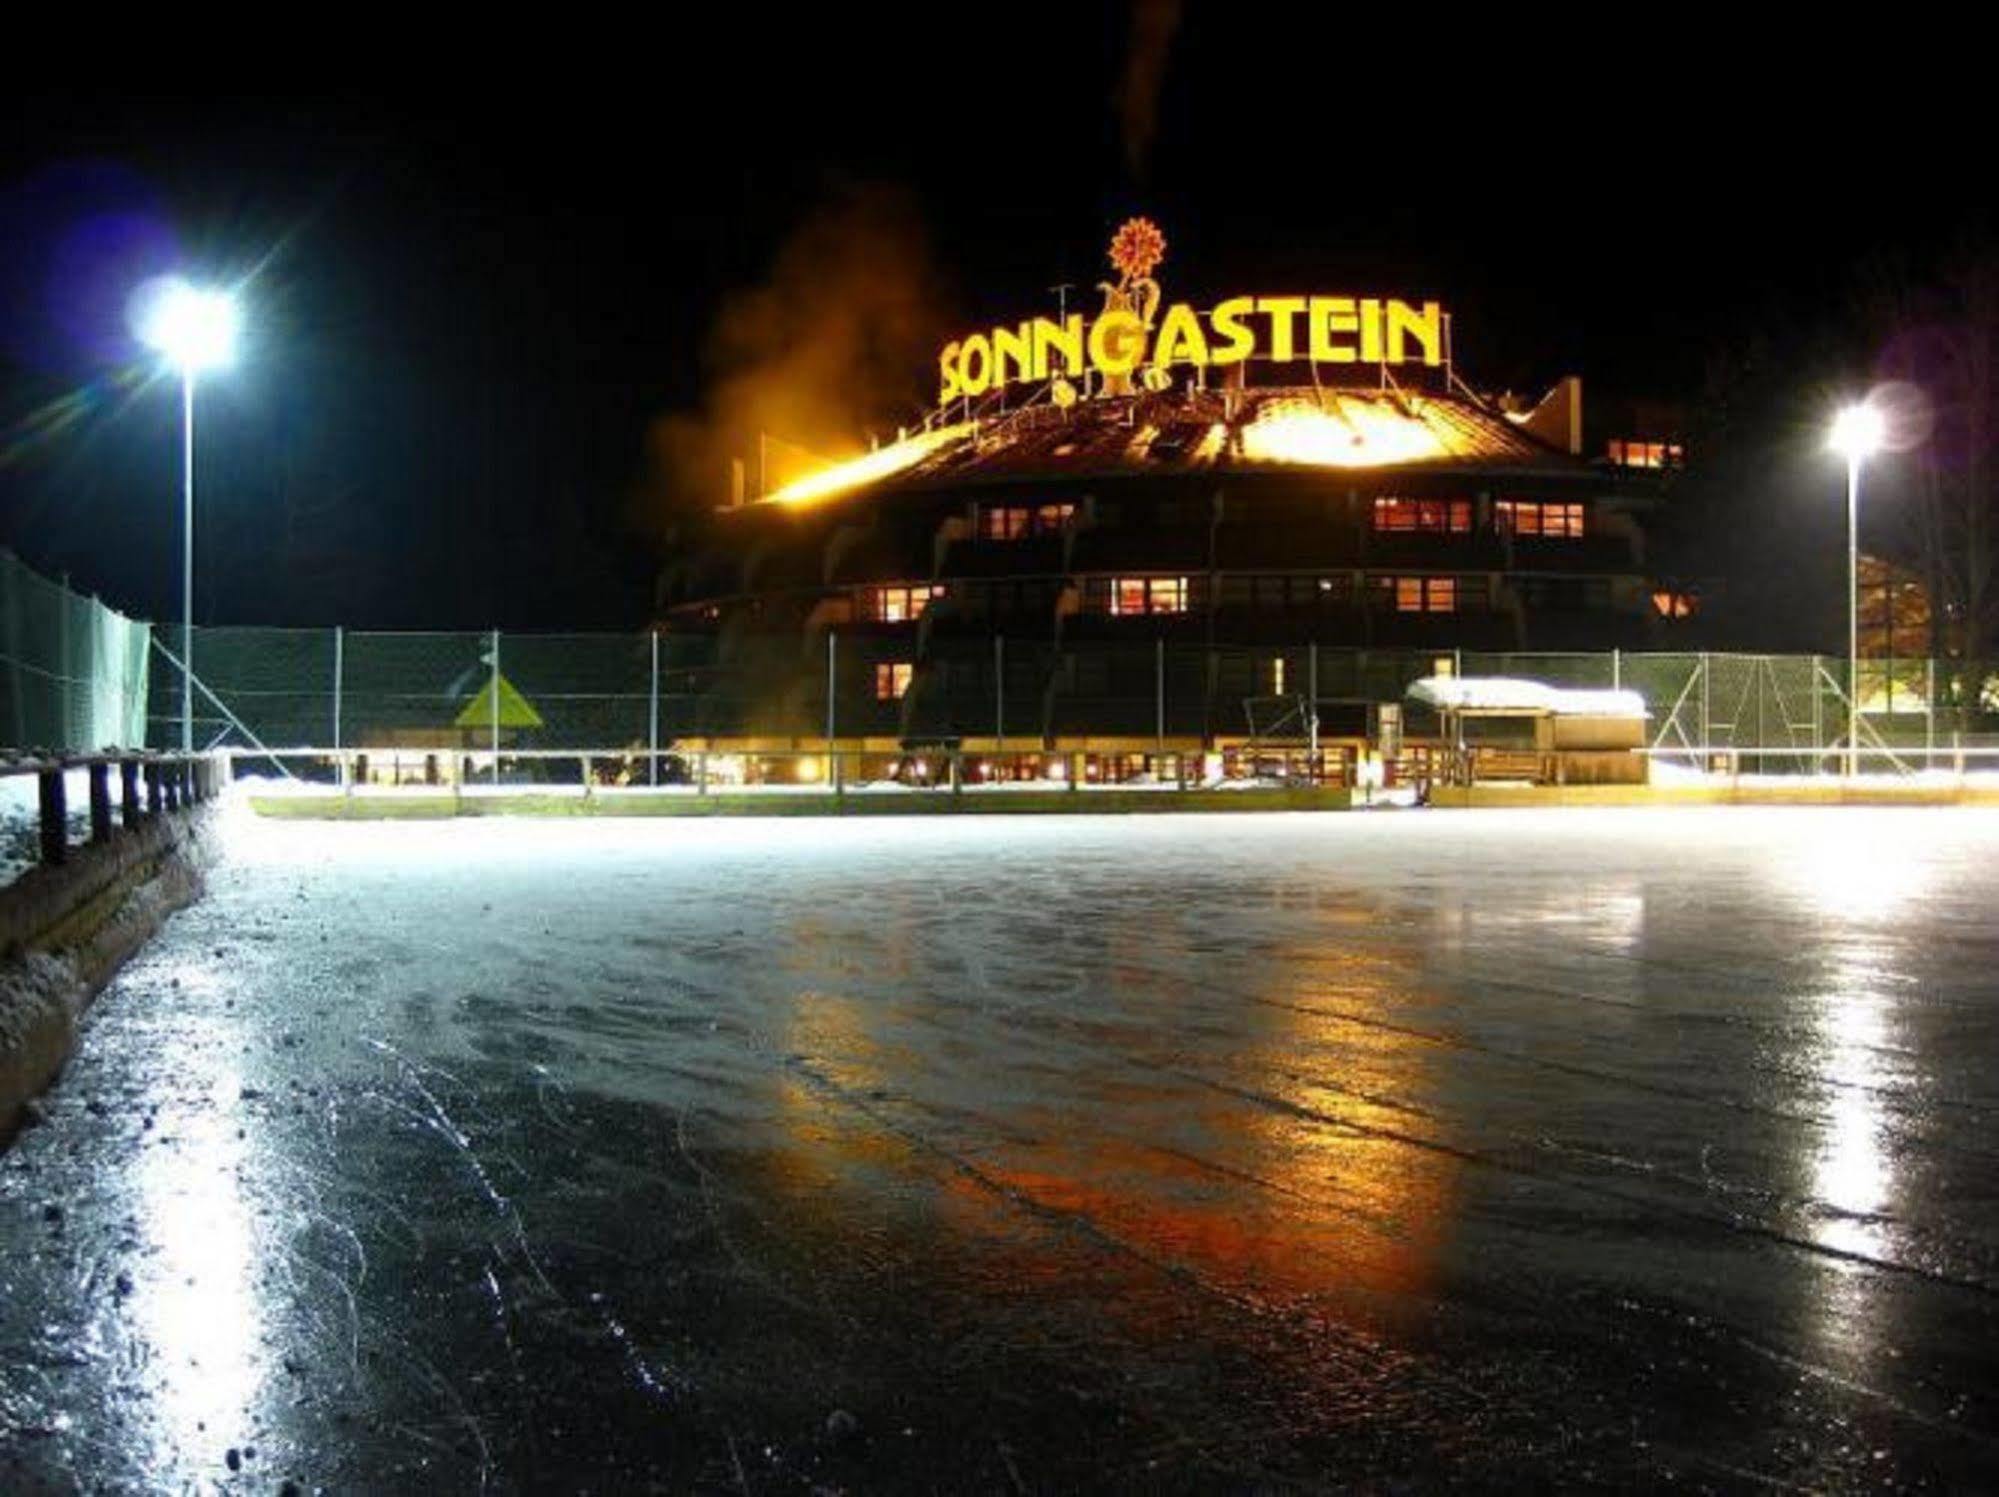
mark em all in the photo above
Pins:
pixel 1256 429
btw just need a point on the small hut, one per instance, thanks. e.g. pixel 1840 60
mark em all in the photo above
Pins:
pixel 1504 728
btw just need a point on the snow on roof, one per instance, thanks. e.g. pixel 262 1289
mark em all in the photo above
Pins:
pixel 1512 694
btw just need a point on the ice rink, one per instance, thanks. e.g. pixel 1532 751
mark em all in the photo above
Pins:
pixel 1019 1153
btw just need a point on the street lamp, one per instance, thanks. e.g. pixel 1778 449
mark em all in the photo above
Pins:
pixel 1857 433
pixel 195 331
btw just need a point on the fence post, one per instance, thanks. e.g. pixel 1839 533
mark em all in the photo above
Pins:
pixel 999 693
pixel 832 646
pixel 339 681
pixel 496 708
pixel 1159 709
pixel 1617 670
pixel 10 596
pixel 1929 710
pixel 1818 719
pixel 1707 726
pixel 652 718
pixel 1312 707
pixel 63 740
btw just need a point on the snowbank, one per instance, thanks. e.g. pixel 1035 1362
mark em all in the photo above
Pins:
pixel 1512 694
pixel 69 928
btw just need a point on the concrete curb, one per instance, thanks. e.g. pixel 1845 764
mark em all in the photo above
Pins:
pixel 64 933
pixel 816 803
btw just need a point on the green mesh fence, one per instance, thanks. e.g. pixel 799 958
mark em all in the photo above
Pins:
pixel 73 673
pixel 327 688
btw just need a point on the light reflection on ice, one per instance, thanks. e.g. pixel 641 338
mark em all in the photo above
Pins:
pixel 195 1300
pixel 1858 888
pixel 1852 1171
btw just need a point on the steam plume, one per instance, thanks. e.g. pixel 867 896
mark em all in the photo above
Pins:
pixel 838 339
pixel 1153 26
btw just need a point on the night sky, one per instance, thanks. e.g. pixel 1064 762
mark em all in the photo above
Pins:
pixel 472 306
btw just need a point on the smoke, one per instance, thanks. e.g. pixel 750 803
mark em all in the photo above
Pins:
pixel 837 340
pixel 1153 26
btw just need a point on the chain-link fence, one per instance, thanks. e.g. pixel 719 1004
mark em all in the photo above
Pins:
pixel 477 691
pixel 73 673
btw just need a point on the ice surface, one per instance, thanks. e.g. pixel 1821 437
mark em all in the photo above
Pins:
pixel 1624 1148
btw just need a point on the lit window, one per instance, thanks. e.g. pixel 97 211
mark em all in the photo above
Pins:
pixel 1530 517
pixel 1435 516
pixel 892 680
pixel 1012 522
pixel 1630 454
pixel 898 603
pixel 1277 676
pixel 1420 594
pixel 1669 604
pixel 1133 595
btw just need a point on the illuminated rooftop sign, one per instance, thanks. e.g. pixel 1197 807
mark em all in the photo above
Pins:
pixel 1129 341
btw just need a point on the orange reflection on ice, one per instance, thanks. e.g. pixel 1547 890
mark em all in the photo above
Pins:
pixel 1291 1171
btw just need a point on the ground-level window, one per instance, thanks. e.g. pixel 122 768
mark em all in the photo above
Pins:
pixel 1434 516
pixel 1132 595
pixel 899 602
pixel 1563 593
pixel 1539 517
pixel 1627 453
pixel 1418 594
pixel 1012 522
pixel 1671 603
pixel 892 680
pixel 1276 592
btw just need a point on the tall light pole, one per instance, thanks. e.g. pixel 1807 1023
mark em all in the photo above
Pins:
pixel 1857 432
pixel 195 331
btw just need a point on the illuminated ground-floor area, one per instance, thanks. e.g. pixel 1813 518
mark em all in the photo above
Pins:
pixel 1611 1148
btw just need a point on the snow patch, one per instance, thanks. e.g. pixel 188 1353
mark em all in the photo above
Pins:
pixel 1513 694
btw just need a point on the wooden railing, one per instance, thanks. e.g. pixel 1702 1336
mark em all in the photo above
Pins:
pixel 149 785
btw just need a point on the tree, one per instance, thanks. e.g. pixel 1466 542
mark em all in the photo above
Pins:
pixel 1939 350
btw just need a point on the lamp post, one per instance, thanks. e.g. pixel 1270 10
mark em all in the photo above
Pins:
pixel 194 330
pixel 1856 435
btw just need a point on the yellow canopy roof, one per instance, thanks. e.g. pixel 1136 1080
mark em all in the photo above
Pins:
pixel 515 710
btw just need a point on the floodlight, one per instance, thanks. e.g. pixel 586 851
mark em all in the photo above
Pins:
pixel 193 327
pixel 1858 431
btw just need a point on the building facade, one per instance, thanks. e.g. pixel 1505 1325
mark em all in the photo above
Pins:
pixel 1173 556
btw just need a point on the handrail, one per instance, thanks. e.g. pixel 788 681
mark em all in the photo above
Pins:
pixel 172 782
pixel 17 764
